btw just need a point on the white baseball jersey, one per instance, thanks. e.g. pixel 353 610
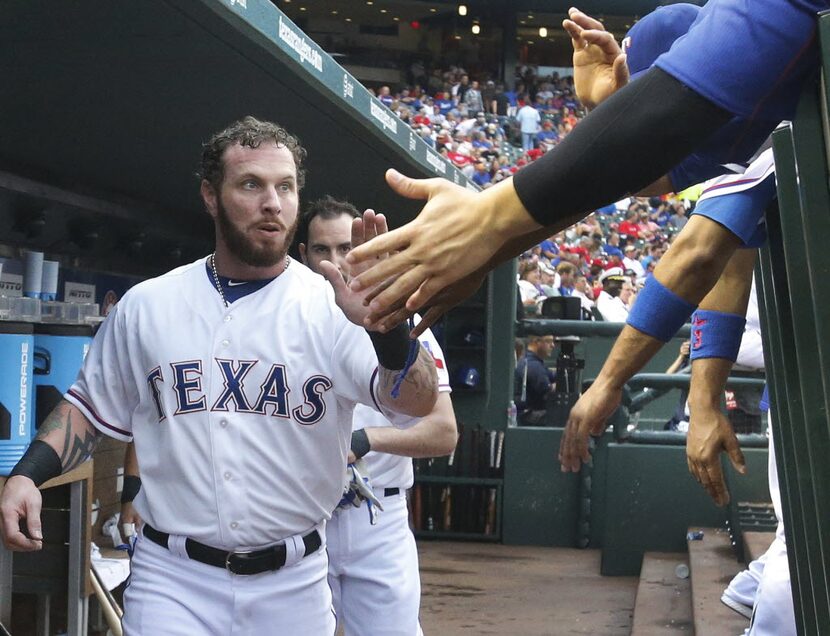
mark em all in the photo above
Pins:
pixel 376 566
pixel 395 471
pixel 241 416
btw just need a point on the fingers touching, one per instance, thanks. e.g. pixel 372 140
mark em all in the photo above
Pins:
pixel 584 20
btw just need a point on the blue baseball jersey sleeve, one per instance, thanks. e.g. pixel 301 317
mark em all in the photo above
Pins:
pixel 750 57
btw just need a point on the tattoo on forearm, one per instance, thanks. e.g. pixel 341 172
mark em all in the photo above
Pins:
pixel 77 448
pixel 78 442
pixel 421 380
pixel 56 420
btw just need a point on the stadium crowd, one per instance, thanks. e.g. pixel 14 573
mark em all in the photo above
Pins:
pixel 490 132
pixel 487 131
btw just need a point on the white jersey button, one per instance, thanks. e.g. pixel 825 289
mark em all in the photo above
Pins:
pixel 227 318
pixel 223 423
pixel 225 343
pixel 227 475
pixel 234 525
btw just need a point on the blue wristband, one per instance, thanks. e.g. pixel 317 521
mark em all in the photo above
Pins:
pixel 716 335
pixel 658 311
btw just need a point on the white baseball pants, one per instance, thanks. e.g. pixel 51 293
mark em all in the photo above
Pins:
pixel 373 570
pixel 171 595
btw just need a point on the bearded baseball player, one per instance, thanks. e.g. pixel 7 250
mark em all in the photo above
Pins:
pixel 236 377
pixel 373 563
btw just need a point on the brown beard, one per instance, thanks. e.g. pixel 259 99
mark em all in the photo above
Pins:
pixel 244 249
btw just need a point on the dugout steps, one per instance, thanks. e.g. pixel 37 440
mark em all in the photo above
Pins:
pixel 713 563
pixel 663 604
pixel 666 603
pixel 756 543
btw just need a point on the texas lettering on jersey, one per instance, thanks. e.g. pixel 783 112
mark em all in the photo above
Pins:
pixel 268 397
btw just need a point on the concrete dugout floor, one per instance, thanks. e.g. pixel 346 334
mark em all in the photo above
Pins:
pixel 478 589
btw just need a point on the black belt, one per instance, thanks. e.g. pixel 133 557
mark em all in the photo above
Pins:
pixel 391 492
pixel 255 562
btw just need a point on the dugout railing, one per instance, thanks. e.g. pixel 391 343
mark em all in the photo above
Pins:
pixel 794 295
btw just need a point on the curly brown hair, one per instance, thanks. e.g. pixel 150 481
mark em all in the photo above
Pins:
pixel 248 131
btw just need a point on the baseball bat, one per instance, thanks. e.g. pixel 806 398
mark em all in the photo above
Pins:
pixel 111 609
pixel 447 497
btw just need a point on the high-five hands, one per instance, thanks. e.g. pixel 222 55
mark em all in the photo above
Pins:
pixel 353 303
pixel 441 254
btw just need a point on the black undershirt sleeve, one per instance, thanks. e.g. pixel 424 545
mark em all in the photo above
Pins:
pixel 625 144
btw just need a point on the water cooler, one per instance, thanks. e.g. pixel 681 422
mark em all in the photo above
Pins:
pixel 16 392
pixel 59 352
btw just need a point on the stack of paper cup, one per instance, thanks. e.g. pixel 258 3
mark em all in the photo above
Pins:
pixel 32 273
pixel 49 284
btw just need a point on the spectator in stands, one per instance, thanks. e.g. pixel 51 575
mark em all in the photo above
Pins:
pixel 647 226
pixel 566 272
pixel 631 261
pixel 548 280
pixel 661 212
pixel 500 104
pixel 425 133
pixel 550 248
pixel 678 219
pixel 385 97
pixel 654 254
pixel 612 245
pixel 444 103
pixel 460 89
pixel 528 118
pixel 530 287
pixel 481 177
pixel 533 380
pixel 611 307
pixel 473 99
pixel 410 99
pixel 583 291
pixel 629 227
pixel 547 138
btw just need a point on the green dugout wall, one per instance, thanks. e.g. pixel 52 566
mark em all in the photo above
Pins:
pixel 795 295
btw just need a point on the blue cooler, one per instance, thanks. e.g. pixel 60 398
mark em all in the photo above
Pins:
pixel 16 395
pixel 59 352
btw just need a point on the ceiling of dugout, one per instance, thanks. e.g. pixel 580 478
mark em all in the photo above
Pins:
pixel 608 7
pixel 110 100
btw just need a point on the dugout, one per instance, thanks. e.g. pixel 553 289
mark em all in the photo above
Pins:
pixel 105 105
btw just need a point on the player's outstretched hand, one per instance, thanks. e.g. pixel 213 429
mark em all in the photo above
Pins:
pixel 353 303
pixel 21 502
pixel 588 417
pixel 710 433
pixel 456 233
pixel 446 299
pixel 600 67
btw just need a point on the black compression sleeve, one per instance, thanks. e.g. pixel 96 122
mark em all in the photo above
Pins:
pixel 392 347
pixel 132 484
pixel 360 443
pixel 628 142
pixel 39 463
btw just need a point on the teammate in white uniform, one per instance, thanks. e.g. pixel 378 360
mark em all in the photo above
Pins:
pixel 238 396
pixel 373 568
